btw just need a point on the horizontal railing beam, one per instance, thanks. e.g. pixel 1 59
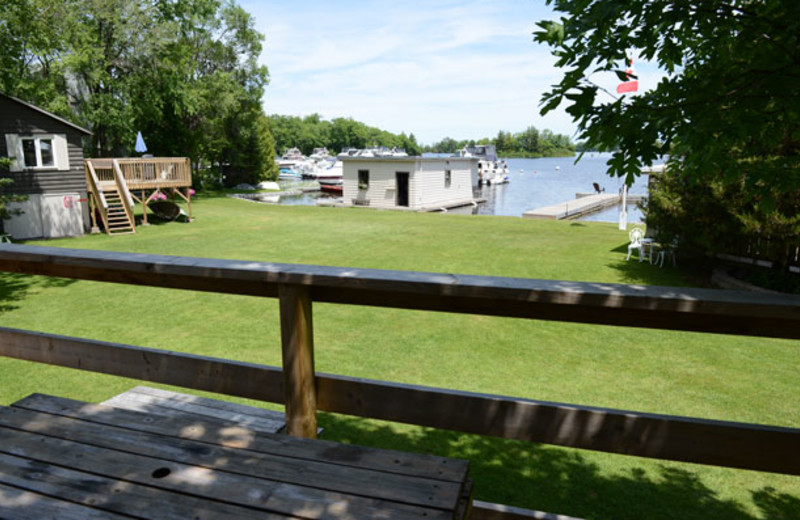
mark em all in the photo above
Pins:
pixel 688 309
pixel 771 315
pixel 736 445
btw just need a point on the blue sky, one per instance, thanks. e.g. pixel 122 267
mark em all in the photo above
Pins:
pixel 464 69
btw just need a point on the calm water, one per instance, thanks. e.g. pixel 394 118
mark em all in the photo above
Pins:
pixel 537 182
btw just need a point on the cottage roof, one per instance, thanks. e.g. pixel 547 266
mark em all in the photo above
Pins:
pixel 48 114
pixel 410 158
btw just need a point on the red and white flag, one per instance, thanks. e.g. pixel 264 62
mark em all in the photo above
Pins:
pixel 631 85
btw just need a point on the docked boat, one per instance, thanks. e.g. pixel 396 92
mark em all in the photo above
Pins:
pixel 491 170
pixel 287 174
pixel 330 169
pixel 378 151
pixel 333 186
pixel 320 154
pixel 291 158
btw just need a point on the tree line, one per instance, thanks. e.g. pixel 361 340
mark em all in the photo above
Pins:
pixel 183 72
pixel 312 131
pixel 307 133
pixel 529 143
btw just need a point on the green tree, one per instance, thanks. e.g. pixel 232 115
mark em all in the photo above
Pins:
pixel 178 70
pixel 528 140
pixel 728 108
pixel 33 43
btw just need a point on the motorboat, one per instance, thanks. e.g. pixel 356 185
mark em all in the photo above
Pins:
pixel 320 154
pixel 329 169
pixel 492 172
pixel 288 174
pixel 291 158
pixel 331 185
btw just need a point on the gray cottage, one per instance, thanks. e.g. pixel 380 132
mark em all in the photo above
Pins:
pixel 47 154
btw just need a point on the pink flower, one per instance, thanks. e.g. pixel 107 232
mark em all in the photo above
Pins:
pixel 191 192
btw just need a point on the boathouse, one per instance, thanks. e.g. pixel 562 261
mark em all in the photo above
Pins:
pixel 47 166
pixel 413 183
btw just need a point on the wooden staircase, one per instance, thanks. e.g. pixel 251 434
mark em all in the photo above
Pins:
pixel 109 196
pixel 118 222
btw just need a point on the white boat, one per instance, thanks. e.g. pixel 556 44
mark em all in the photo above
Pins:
pixel 320 154
pixel 491 170
pixel 347 152
pixel 291 158
pixel 330 169
pixel 379 151
pixel 286 174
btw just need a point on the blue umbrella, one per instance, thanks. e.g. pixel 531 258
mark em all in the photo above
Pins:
pixel 140 146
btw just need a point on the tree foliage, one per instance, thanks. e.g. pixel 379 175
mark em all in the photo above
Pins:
pixel 728 108
pixel 314 132
pixel 528 143
pixel 183 72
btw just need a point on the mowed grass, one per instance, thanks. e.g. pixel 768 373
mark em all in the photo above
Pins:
pixel 703 375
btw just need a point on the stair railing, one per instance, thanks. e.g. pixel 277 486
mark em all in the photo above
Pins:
pixel 125 195
pixel 97 193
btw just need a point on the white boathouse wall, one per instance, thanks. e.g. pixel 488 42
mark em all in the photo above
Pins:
pixel 427 188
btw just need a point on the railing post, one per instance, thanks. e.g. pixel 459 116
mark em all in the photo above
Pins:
pixel 297 340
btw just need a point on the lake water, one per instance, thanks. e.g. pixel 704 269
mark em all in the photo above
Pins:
pixel 537 182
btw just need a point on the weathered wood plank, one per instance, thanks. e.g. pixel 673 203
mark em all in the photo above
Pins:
pixel 400 489
pixel 730 444
pixel 104 495
pixel 731 312
pixel 20 504
pixel 736 445
pixel 231 490
pixel 297 346
pixel 216 375
pixel 174 404
pixel 206 430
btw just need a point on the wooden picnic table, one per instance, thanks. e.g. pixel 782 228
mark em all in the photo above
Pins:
pixel 66 459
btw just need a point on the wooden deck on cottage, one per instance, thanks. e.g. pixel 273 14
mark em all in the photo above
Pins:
pixel 114 185
pixel 46 441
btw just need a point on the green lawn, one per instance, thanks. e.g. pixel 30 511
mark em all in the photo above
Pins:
pixel 714 376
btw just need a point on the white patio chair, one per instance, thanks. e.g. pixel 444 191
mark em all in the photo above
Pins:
pixel 636 235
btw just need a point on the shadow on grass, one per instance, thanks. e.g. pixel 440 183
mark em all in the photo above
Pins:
pixel 14 287
pixel 563 481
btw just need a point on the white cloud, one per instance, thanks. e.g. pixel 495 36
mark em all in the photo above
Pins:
pixel 438 68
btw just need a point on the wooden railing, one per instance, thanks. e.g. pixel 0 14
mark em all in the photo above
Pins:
pixel 737 445
pixel 146 173
pixel 93 183
pixel 124 194
pixel 103 169
pixel 163 172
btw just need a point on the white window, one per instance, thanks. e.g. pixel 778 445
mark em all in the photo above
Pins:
pixel 38 152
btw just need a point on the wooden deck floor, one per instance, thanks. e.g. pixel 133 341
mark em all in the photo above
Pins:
pixel 68 459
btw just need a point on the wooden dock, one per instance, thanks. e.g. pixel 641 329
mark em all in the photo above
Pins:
pixel 583 204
